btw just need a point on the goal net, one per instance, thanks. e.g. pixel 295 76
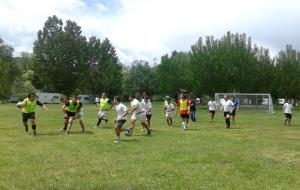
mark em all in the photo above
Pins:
pixel 249 101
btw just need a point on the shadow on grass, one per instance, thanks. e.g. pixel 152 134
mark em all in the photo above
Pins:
pixel 81 133
pixel 129 140
pixel 48 134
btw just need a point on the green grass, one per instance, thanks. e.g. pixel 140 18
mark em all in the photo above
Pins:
pixel 257 153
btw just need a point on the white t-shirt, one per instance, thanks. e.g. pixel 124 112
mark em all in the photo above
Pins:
pixel 212 105
pixel 136 104
pixel 287 108
pixel 169 107
pixel 147 106
pixel 227 105
pixel 121 110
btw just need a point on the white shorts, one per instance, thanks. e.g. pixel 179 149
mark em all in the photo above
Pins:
pixel 141 117
pixel 101 114
pixel 80 116
pixel 169 114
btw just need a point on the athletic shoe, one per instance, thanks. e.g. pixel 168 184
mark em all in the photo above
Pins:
pixel 67 132
pixel 106 120
pixel 34 133
pixel 129 133
pixel 142 130
pixel 96 126
pixel 149 132
pixel 117 140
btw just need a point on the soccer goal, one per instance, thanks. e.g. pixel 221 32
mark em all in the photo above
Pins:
pixel 249 101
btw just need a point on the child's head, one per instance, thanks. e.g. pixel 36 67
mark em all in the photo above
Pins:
pixel 146 98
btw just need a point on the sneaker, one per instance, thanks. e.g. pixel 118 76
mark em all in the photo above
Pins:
pixel 129 133
pixel 67 132
pixel 142 130
pixel 117 140
pixel 106 120
pixel 149 132
pixel 34 133
pixel 96 126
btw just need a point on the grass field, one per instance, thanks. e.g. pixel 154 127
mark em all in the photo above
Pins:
pixel 257 153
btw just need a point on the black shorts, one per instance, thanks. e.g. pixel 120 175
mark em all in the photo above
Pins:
pixel 183 116
pixel 212 111
pixel 27 116
pixel 120 122
pixel 288 115
pixel 70 114
pixel 226 113
pixel 148 116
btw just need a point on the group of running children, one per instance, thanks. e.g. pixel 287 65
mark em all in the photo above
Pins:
pixel 140 111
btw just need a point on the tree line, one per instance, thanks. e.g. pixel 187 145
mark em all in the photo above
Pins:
pixel 65 61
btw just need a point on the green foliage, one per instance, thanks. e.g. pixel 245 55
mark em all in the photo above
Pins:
pixel 287 73
pixel 229 64
pixel 59 55
pixel 138 78
pixel 104 69
pixel 173 74
pixel 8 70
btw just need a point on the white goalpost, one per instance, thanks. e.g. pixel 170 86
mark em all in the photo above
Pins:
pixel 250 100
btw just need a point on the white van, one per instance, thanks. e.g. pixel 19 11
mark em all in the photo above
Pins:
pixel 48 98
pixel 280 101
pixel 86 99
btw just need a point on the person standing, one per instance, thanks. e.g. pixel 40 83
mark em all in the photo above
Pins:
pixel 288 111
pixel 235 108
pixel 138 113
pixel 169 109
pixel 212 107
pixel 104 105
pixel 193 109
pixel 120 118
pixel 147 106
pixel 184 107
pixel 72 109
pixel 28 111
pixel 227 106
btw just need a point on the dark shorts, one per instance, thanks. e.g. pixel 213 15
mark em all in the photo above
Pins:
pixel 27 116
pixel 226 113
pixel 233 112
pixel 288 115
pixel 185 116
pixel 148 116
pixel 120 122
pixel 211 111
pixel 70 114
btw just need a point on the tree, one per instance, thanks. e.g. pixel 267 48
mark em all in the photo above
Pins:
pixel 8 70
pixel 172 74
pixel 287 72
pixel 105 71
pixel 59 56
pixel 138 78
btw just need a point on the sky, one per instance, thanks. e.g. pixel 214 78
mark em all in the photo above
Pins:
pixel 149 29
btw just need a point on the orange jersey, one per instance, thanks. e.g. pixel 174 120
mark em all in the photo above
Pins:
pixel 183 105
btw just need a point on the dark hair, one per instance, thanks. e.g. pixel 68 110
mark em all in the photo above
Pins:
pixel 31 94
pixel 117 98
pixel 132 95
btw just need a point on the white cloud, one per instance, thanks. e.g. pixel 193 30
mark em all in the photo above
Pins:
pixel 143 29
